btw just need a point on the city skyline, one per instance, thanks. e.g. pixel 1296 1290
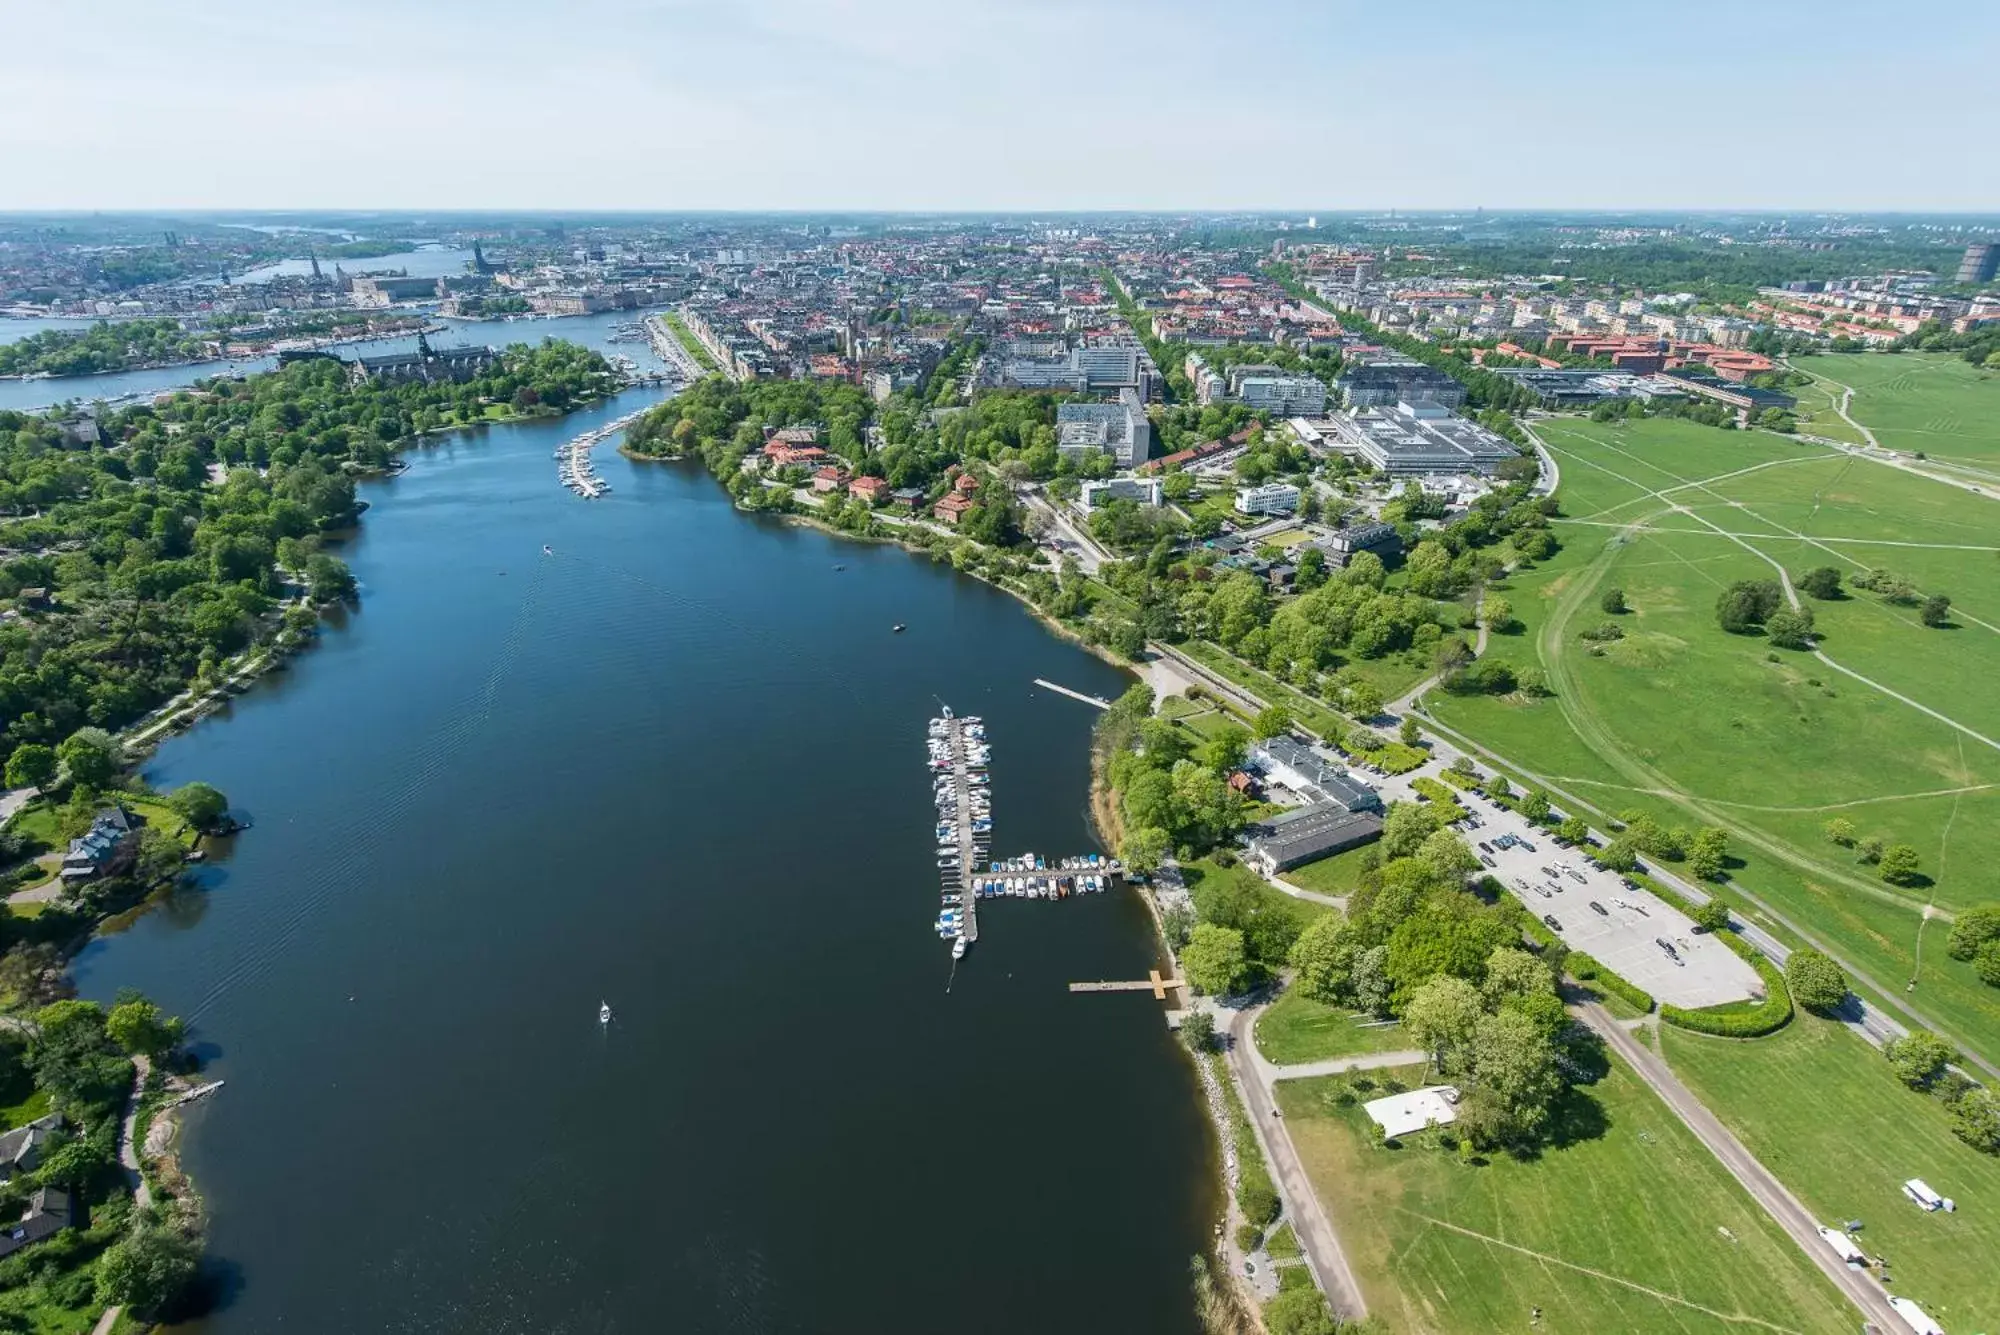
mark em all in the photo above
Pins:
pixel 888 105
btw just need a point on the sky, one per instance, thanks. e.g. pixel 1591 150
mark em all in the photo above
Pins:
pixel 999 104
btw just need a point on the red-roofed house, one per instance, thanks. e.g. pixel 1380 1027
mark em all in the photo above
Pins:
pixel 831 477
pixel 953 507
pixel 782 455
pixel 873 490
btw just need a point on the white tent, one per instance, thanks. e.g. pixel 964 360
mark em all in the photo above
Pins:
pixel 1401 1114
pixel 1915 1317
pixel 1841 1244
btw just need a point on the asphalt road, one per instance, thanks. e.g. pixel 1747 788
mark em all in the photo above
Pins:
pixel 1308 1214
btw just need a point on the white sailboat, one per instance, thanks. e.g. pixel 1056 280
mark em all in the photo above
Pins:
pixel 604 1012
pixel 958 949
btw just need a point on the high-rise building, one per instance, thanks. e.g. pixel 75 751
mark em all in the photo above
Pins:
pixel 1981 263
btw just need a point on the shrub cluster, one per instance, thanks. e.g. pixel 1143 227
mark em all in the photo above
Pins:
pixel 1590 971
pixel 1767 1017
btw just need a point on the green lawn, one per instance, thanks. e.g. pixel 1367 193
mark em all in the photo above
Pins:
pixel 1819 1107
pixel 1207 878
pixel 690 343
pixel 1297 1029
pixel 1336 875
pixel 1202 717
pixel 1631 1226
pixel 1698 727
pixel 1936 403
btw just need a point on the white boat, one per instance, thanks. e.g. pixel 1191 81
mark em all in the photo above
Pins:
pixel 604 1012
pixel 958 948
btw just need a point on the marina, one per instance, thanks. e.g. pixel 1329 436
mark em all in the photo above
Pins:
pixel 573 467
pixel 959 755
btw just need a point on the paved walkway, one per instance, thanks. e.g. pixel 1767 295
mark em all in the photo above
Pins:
pixel 1302 1204
pixel 128 1154
pixel 1783 1207
pixel 1367 1061
pixel 14 799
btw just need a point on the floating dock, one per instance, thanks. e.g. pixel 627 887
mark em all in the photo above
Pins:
pixel 958 759
pixel 573 467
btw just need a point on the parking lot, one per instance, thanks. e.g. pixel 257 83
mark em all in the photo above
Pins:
pixel 1625 937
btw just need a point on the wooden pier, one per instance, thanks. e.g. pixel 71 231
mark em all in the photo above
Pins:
pixel 1157 985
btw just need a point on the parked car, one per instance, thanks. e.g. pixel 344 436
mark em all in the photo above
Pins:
pixel 1553 925
pixel 1600 909
pixel 1488 861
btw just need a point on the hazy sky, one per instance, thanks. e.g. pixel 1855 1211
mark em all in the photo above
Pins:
pixel 978 104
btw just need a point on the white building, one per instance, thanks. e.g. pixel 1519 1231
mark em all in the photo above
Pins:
pixel 1273 498
pixel 1119 429
pixel 1283 395
pixel 1147 491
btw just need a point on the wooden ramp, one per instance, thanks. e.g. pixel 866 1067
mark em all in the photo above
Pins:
pixel 1155 984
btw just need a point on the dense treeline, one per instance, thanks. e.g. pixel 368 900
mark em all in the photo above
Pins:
pixel 102 347
pixel 150 569
pixel 1674 265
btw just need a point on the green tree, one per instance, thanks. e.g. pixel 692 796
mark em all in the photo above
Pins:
pixel 1145 848
pixel 1789 629
pixel 1497 786
pixel 1499 613
pixel 1840 830
pixel 1918 1058
pixel 201 805
pixel 1273 721
pixel 1513 972
pixel 1322 958
pixel 143 1029
pixel 1899 864
pixel 148 1268
pixel 1214 960
pixel 1816 981
pixel 1712 915
pixel 1515 1077
pixel 1363 700
pixel 1408 732
pixel 1571 830
pixel 1936 611
pixel 31 766
pixel 1986 963
pixel 1972 929
pixel 1708 853
pixel 1198 1030
pixel 1869 850
pixel 1613 602
pixel 1744 605
pixel 1821 582
pixel 1299 1311
pixel 73 1163
pixel 1405 826
pixel 1224 749
pixel 1975 1119
pixel 1447 857
pixel 1535 806
pixel 1441 1017
pixel 91 757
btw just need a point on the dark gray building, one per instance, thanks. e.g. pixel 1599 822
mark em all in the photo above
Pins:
pixel 1400 380
pixel 1310 833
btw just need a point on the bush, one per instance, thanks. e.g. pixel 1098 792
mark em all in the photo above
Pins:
pixel 1587 969
pixel 1735 1021
pixel 1973 929
pixel 1816 981
pixel 1259 1199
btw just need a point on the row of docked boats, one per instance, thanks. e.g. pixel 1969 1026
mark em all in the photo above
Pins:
pixel 573 467
pixel 958 757
pixel 1039 887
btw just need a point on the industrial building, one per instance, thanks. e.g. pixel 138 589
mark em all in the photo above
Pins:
pixel 1980 264
pixel 1415 439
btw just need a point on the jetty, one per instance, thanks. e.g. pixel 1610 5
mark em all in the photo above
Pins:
pixel 958 758
pixel 573 467
pixel 1157 985
pixel 1097 700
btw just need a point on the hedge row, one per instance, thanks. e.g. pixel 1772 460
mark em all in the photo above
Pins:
pixel 1737 1021
pixel 1580 965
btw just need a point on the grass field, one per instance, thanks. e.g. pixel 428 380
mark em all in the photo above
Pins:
pixel 1336 875
pixel 1631 1226
pixel 1937 403
pixel 1698 727
pixel 1820 1109
pixel 1296 1029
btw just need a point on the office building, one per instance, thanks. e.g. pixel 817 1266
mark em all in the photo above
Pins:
pixel 1981 262
pixel 1273 498
pixel 1397 380
pixel 1119 429
pixel 1147 491
pixel 1282 395
pixel 1309 833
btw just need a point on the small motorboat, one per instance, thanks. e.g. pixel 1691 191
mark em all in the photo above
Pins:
pixel 604 1012
pixel 896 629
pixel 548 550
pixel 958 948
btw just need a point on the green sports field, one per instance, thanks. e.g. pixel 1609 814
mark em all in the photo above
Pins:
pixel 1896 729
pixel 1819 1108
pixel 1631 1226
